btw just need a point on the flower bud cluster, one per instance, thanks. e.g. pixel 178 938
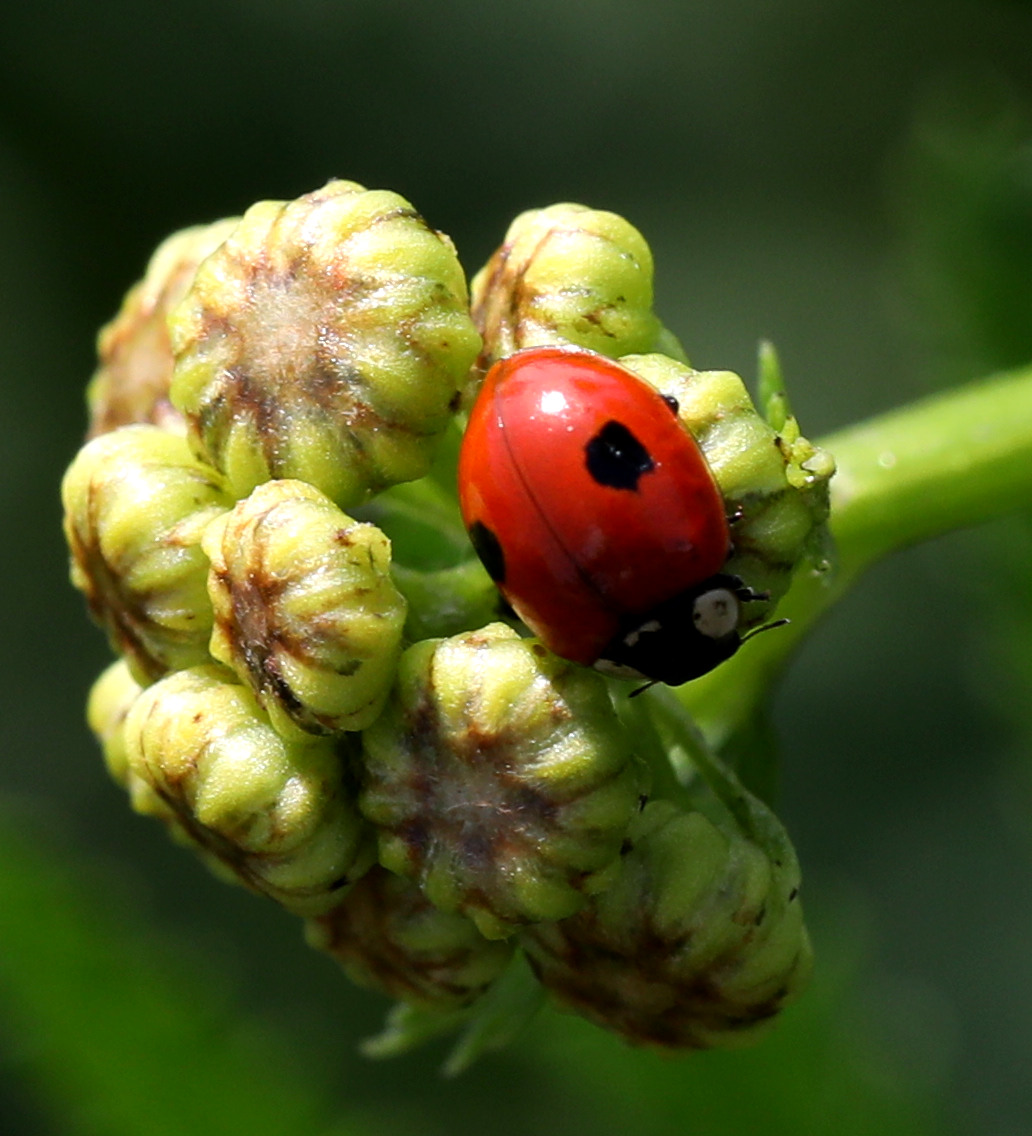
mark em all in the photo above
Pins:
pixel 258 624
pixel 431 806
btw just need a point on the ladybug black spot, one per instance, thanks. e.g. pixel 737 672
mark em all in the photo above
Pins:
pixel 488 548
pixel 615 457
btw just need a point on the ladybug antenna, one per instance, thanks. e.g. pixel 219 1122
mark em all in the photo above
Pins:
pixel 766 627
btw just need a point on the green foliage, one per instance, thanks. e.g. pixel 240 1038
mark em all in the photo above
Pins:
pixel 116 1035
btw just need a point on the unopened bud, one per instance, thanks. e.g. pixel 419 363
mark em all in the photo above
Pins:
pixel 136 503
pixel 568 275
pixel 326 340
pixel 306 612
pixel 499 779
pixel 109 703
pixel 698 943
pixel 132 381
pixel 387 935
pixel 280 814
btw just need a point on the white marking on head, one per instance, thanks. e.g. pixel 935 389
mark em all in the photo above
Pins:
pixel 716 613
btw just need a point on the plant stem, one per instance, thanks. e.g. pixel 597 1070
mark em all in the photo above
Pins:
pixel 940 464
pixel 943 463
pixel 753 817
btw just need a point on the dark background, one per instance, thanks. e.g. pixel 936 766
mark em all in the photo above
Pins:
pixel 849 179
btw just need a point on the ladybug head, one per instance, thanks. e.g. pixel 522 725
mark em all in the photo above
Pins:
pixel 683 637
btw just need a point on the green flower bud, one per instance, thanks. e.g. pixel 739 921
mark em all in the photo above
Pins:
pixel 135 355
pixel 109 703
pixel 499 778
pixel 775 486
pixel 136 503
pixel 280 814
pixel 327 339
pixel 568 274
pixel 388 936
pixel 306 612
pixel 697 944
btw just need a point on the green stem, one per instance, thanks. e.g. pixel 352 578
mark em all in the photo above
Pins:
pixel 945 462
pixel 751 815
pixel 940 464
pixel 660 751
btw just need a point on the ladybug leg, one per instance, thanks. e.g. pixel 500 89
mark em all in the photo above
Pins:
pixel 744 592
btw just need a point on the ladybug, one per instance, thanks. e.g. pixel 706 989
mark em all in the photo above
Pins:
pixel 595 513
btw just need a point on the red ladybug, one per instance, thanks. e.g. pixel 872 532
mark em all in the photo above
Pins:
pixel 595 513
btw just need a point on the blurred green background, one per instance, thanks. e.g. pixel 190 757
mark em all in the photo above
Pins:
pixel 852 180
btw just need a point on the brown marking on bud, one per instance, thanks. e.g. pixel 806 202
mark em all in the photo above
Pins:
pixel 388 935
pixel 296 317
pixel 469 793
pixel 126 614
pixel 637 990
pixel 246 865
pixel 646 988
pixel 262 640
